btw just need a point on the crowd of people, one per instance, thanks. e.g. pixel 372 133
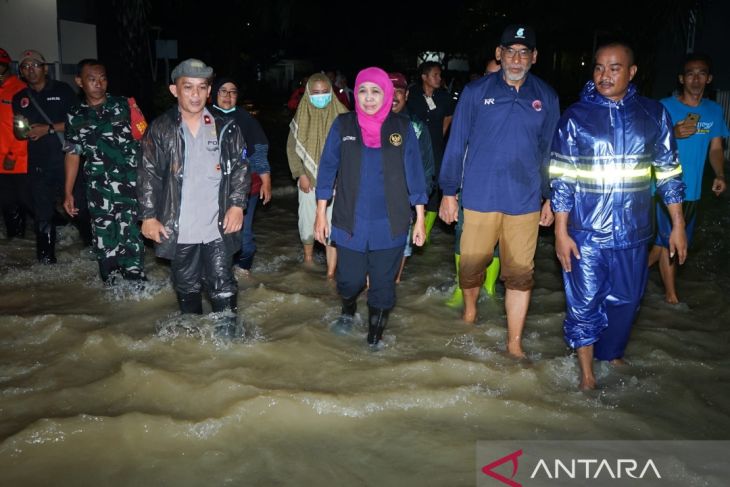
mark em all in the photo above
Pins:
pixel 374 168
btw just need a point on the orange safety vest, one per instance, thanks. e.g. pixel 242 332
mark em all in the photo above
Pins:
pixel 13 152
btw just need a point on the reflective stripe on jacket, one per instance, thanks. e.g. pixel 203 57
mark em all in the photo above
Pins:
pixel 604 156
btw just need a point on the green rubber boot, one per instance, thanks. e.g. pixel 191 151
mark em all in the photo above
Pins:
pixel 429 221
pixel 457 299
pixel 490 283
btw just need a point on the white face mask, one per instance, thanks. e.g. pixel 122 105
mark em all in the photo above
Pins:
pixel 225 110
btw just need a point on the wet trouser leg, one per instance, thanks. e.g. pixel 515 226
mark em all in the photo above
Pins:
pixel 186 272
pixel 104 231
pixel 15 202
pixel 45 188
pixel 380 265
pixel 628 275
pixel 218 275
pixel 117 238
pixel 351 273
pixel 82 220
pixel 603 292
pixel 131 246
pixel 14 222
pixel 222 286
pixel 248 239
pixel 586 289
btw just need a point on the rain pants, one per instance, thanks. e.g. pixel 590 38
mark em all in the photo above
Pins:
pixel 604 156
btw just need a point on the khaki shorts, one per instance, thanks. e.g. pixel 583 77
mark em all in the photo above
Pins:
pixel 517 237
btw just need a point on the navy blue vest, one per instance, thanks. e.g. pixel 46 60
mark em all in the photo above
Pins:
pixel 393 135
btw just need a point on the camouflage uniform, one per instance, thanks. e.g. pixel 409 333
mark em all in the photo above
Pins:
pixel 103 136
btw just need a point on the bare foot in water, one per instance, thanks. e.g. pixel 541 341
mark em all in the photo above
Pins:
pixel 671 298
pixel 514 345
pixel 618 362
pixel 518 356
pixel 587 383
pixel 514 350
pixel 469 316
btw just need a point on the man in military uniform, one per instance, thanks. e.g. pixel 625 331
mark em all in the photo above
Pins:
pixel 101 130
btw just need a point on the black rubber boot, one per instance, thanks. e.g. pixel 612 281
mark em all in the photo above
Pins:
pixel 191 303
pixel 344 322
pixel 349 306
pixel 223 304
pixel 227 326
pixel 45 243
pixel 376 324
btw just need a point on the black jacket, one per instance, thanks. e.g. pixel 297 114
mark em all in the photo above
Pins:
pixel 160 176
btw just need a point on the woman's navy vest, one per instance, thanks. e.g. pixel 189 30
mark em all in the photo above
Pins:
pixel 393 135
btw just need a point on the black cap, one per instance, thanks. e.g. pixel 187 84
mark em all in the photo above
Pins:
pixel 518 34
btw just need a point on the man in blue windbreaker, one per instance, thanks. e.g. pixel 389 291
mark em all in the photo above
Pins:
pixel 603 153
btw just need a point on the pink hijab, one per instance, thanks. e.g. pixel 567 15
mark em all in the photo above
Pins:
pixel 370 124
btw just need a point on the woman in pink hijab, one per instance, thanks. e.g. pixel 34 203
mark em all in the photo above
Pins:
pixel 372 160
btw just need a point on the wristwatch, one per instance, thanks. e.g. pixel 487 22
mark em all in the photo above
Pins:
pixel 51 130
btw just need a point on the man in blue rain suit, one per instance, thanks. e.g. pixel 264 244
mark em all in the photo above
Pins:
pixel 603 153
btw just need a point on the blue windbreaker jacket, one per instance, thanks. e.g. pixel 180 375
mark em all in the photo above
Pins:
pixel 604 156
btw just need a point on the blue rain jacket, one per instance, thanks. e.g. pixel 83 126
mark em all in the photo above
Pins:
pixel 604 156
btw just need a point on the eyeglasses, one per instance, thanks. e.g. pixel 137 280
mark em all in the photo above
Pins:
pixel 225 93
pixel 523 53
pixel 33 65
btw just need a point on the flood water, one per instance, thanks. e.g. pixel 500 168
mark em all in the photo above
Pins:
pixel 112 387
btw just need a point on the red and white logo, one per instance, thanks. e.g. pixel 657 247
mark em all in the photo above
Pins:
pixel 24 102
pixel 512 457
pixel 537 105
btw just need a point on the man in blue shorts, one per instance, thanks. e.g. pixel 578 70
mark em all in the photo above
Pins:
pixel 698 125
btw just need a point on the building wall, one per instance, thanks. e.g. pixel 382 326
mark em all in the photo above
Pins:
pixel 30 24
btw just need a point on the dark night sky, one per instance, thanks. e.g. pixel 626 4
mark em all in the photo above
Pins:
pixel 236 37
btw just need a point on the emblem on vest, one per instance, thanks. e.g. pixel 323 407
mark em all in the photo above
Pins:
pixel 396 139
pixel 348 138
pixel 537 105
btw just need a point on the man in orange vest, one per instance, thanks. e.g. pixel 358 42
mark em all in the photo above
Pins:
pixel 14 194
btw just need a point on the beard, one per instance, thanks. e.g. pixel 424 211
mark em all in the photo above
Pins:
pixel 511 76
